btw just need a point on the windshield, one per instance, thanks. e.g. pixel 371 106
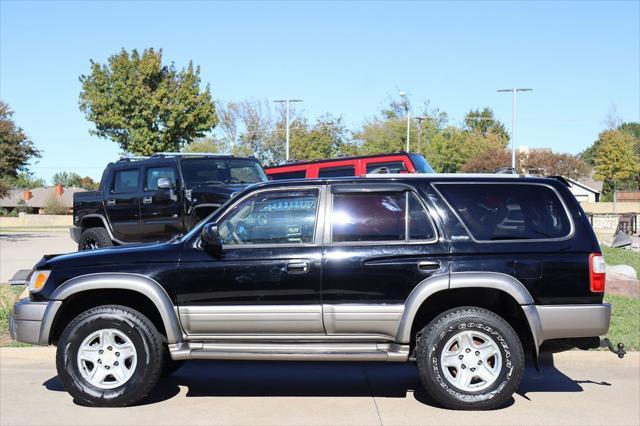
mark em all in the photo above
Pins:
pixel 420 163
pixel 203 171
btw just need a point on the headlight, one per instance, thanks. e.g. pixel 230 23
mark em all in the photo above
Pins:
pixel 38 280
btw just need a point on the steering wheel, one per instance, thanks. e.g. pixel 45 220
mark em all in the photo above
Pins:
pixel 233 233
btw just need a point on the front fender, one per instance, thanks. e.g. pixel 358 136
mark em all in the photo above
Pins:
pixel 125 281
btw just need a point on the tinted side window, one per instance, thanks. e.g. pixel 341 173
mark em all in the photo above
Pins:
pixel 155 173
pixel 337 171
pixel 125 181
pixel 300 174
pixel 279 217
pixel 420 226
pixel 368 217
pixel 495 212
pixel 387 167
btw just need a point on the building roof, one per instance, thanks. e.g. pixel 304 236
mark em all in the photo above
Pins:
pixel 587 183
pixel 39 197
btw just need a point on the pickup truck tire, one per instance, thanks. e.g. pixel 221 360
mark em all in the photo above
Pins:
pixel 469 358
pixel 93 238
pixel 109 356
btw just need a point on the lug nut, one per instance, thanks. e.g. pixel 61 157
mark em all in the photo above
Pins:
pixel 467 350
pixel 477 353
pixel 100 351
pixel 107 367
pixel 117 353
pixel 479 362
pixel 99 361
pixel 473 369
pixel 115 363
pixel 463 366
pixel 460 356
pixel 110 348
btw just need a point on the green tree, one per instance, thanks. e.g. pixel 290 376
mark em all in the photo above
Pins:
pixel 615 159
pixel 484 122
pixel 24 180
pixel 16 149
pixel 206 144
pixel 145 106
pixel 325 139
pixel 67 179
pixel 556 164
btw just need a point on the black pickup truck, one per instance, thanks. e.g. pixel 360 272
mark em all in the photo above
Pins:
pixel 145 199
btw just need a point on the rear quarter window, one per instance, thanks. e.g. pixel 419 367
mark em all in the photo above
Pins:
pixel 503 212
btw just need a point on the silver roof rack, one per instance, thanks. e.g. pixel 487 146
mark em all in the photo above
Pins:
pixel 191 154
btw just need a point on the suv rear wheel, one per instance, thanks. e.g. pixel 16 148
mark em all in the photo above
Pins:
pixel 109 356
pixel 469 358
pixel 93 238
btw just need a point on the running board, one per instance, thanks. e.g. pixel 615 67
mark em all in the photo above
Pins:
pixel 290 351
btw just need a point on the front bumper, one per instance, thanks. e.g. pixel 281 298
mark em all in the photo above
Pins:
pixel 75 232
pixel 30 322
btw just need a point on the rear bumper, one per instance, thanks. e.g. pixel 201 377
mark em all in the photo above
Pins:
pixel 75 232
pixel 30 322
pixel 571 321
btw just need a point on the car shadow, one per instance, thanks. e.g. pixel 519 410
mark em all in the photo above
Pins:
pixel 321 379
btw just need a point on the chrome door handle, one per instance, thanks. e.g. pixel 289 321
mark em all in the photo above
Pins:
pixel 147 200
pixel 428 265
pixel 298 267
pixel 111 202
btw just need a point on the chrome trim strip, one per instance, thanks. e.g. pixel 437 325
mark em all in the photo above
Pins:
pixel 126 281
pixel 565 321
pixel 435 185
pixel 252 319
pixel 362 319
pixel 300 338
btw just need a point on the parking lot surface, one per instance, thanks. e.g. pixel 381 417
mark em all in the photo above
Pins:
pixel 21 250
pixel 581 388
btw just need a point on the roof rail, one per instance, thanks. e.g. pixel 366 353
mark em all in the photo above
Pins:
pixel 191 154
pixel 132 158
pixel 443 175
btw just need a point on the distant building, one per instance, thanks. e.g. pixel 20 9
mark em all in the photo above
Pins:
pixel 34 200
pixel 586 190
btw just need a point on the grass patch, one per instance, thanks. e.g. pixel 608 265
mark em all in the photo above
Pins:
pixel 8 296
pixel 625 321
pixel 619 256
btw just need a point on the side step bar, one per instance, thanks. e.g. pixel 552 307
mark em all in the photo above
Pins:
pixel 290 351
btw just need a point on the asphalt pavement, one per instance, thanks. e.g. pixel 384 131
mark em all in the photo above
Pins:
pixel 579 388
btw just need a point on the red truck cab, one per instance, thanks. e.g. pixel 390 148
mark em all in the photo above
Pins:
pixel 401 162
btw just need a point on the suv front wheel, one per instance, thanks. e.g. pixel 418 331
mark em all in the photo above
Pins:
pixel 109 356
pixel 469 358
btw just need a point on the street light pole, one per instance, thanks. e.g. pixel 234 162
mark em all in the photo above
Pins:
pixel 287 102
pixel 420 119
pixel 513 122
pixel 406 108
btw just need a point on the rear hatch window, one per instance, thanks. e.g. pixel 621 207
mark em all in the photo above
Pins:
pixel 499 211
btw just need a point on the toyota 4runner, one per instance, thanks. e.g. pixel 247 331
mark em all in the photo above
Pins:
pixel 461 274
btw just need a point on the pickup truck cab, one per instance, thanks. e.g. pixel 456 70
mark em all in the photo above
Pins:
pixel 461 274
pixel 143 199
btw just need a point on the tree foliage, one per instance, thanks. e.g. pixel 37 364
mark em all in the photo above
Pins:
pixel 485 123
pixel 616 160
pixel 145 106
pixel 556 164
pixel 488 161
pixel 16 149
pixel 71 179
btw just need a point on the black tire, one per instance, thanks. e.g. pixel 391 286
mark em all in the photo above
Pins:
pixel 169 366
pixel 144 337
pixel 431 343
pixel 93 238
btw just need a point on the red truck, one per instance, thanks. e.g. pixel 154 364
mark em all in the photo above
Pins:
pixel 400 162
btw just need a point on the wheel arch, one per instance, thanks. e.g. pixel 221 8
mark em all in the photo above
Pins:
pixel 467 287
pixel 99 283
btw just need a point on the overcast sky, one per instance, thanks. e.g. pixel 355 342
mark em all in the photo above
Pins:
pixel 581 58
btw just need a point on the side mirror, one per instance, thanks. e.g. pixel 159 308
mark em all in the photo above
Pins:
pixel 165 183
pixel 211 241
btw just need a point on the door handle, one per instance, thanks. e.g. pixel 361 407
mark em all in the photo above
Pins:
pixel 298 267
pixel 428 265
pixel 147 200
pixel 111 202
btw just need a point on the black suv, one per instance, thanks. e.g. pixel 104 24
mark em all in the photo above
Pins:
pixel 462 274
pixel 143 199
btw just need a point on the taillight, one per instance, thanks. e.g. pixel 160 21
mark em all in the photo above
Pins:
pixel 597 272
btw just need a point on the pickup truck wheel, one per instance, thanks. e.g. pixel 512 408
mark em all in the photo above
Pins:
pixel 93 238
pixel 469 358
pixel 109 356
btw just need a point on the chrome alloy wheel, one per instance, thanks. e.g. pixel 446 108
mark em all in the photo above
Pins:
pixel 471 361
pixel 107 358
